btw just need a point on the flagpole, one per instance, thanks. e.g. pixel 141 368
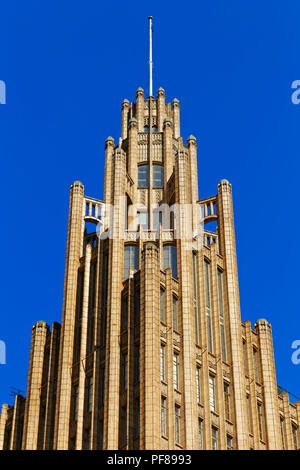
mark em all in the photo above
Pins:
pixel 150 56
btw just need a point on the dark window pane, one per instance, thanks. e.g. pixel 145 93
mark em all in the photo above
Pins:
pixel 130 259
pixel 170 259
pixel 143 176
pixel 158 176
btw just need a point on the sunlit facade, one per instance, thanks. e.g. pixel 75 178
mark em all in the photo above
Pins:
pixel 151 352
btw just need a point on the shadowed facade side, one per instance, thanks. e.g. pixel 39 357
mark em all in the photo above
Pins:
pixel 151 352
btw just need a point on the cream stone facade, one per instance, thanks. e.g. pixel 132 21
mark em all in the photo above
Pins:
pixel 151 352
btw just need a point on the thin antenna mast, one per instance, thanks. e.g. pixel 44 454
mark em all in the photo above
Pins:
pixel 150 56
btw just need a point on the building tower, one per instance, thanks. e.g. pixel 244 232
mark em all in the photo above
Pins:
pixel 151 352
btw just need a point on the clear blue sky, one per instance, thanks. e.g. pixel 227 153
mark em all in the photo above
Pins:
pixel 69 64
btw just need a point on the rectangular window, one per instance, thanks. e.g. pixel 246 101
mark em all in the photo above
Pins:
pixel 255 364
pixel 91 330
pixel 137 305
pixel 101 433
pixel 177 424
pixel 212 397
pixel 158 176
pixel 162 362
pixel 75 406
pixel 176 371
pixel 222 326
pixel 124 371
pixel 105 291
pixel 163 416
pixel 162 305
pixel 87 433
pixel 245 357
pixel 124 314
pixel 170 258
pixel 131 260
pixel 249 413
pixel 93 285
pixel 295 437
pixel 214 438
pixel 198 384
pixel 175 313
pixel 207 303
pixel 200 433
pixel 72 443
pixel 229 442
pixel 123 425
pixel 89 393
pixel 137 363
pixel 137 417
pixel 227 401
pixel 143 176
pixel 260 420
pixel 282 432
pixel 102 385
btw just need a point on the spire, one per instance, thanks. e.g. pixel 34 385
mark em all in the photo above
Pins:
pixel 150 56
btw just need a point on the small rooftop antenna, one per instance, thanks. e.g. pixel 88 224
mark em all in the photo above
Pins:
pixel 150 56
pixel 16 391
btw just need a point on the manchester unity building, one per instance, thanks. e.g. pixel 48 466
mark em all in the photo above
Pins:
pixel 151 352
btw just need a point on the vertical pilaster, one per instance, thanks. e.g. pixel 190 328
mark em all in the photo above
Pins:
pixel 167 150
pixel 269 384
pixel 184 257
pixel 176 117
pixel 169 360
pixel 140 109
pixel 253 426
pixel 108 174
pixel 228 250
pixel 133 150
pixel 150 348
pixel 192 151
pixel 297 405
pixel 125 112
pixel 115 273
pixel 74 252
pixel 217 347
pixel 17 423
pixel 35 377
pixel 99 302
pixel 83 347
pixel 132 362
pixel 3 419
pixel 204 354
pixel 161 108
pixel 287 421
pixel 51 387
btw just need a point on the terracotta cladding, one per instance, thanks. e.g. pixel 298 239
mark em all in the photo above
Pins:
pixel 158 359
